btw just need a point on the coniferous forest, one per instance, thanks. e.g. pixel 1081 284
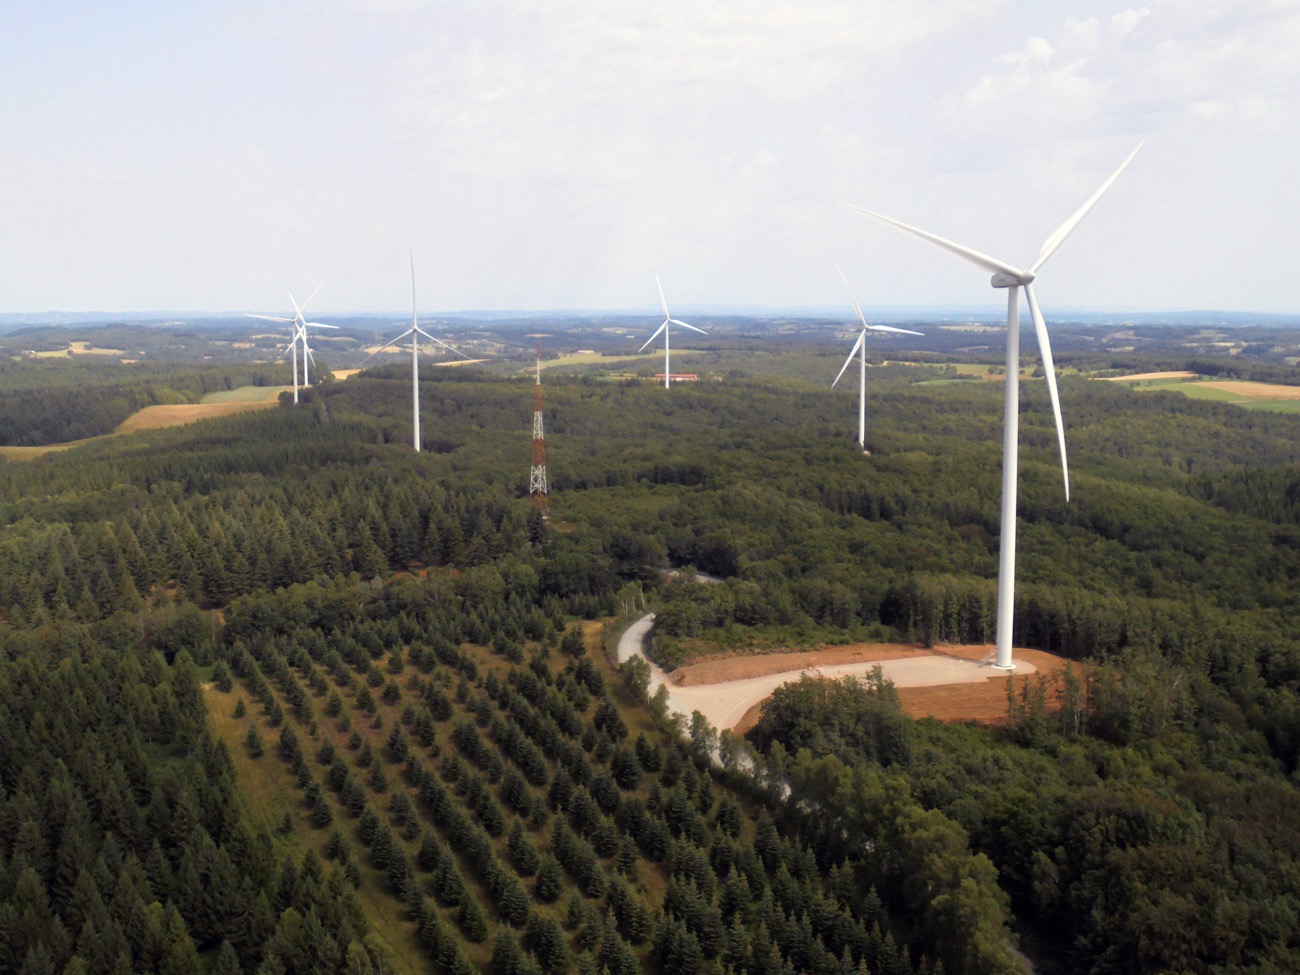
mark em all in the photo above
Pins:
pixel 280 695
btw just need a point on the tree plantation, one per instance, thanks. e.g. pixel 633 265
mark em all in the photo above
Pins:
pixel 280 695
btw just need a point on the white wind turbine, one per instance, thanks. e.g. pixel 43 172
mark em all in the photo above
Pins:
pixel 1013 279
pixel 415 332
pixel 668 320
pixel 299 331
pixel 860 349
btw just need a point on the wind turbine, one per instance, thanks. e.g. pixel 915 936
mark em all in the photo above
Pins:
pixel 299 332
pixel 860 349
pixel 1013 279
pixel 668 320
pixel 415 332
pixel 302 326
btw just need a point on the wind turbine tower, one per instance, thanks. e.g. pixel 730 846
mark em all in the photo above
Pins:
pixel 1014 279
pixel 537 487
pixel 415 332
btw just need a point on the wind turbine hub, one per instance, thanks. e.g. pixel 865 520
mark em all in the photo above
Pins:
pixel 1001 279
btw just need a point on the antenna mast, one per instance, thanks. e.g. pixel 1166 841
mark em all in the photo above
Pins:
pixel 537 489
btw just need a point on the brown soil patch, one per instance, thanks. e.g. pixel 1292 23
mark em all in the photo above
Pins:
pixel 984 701
pixel 157 417
pixel 721 669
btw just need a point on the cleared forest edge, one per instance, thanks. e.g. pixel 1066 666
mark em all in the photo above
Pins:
pixel 158 417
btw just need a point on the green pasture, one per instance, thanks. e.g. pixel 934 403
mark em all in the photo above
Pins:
pixel 246 394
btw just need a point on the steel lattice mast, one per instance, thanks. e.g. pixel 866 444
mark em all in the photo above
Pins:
pixel 537 489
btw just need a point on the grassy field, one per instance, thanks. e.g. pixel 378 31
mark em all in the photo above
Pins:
pixel 247 394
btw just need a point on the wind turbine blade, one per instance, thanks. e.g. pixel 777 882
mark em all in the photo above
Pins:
pixel 653 337
pixel 296 310
pixel 308 301
pixel 687 325
pixel 1058 236
pixel 856 306
pixel 662 300
pixel 990 264
pixel 890 328
pixel 317 325
pixel 386 345
pixel 271 318
pixel 414 324
pixel 434 338
pixel 856 345
pixel 1049 368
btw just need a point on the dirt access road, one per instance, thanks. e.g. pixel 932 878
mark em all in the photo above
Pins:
pixel 952 683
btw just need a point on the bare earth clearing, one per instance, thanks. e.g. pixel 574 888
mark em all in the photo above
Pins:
pixel 951 683
pixel 948 683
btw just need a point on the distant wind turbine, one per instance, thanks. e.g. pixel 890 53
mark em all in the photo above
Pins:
pixel 668 320
pixel 1013 279
pixel 415 332
pixel 860 349
pixel 299 332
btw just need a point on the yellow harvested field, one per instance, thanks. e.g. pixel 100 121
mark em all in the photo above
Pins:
pixel 344 373
pixel 157 417
pixel 1249 390
pixel 1146 376
pixel 79 348
pixel 31 453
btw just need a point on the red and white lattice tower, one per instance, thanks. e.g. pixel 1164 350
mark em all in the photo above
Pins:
pixel 537 489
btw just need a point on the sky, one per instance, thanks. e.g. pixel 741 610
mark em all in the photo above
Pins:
pixel 558 154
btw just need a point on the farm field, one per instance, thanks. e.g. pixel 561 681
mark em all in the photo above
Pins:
pixel 78 348
pixel 1273 397
pixel 246 394
pixel 179 414
pixel 596 358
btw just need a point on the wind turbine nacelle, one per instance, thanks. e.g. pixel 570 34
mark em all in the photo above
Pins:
pixel 1001 279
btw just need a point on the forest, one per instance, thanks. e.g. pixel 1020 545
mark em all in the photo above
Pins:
pixel 341 706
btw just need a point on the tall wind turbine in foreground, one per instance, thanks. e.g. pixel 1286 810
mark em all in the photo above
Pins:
pixel 299 325
pixel 860 349
pixel 668 320
pixel 415 332
pixel 1013 279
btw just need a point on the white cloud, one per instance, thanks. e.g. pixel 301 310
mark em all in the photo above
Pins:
pixel 1126 21
pixel 1036 51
